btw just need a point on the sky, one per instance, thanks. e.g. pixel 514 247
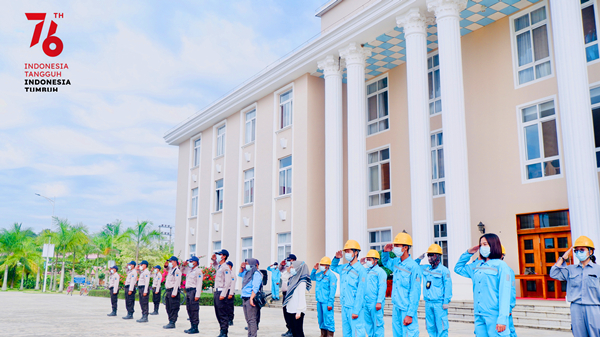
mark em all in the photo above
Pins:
pixel 137 68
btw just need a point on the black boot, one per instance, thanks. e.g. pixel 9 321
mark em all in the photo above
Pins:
pixel 194 329
pixel 230 323
pixel 144 319
pixel 188 330
pixel 171 325
pixel 155 310
pixel 221 334
pixel 129 315
pixel 113 313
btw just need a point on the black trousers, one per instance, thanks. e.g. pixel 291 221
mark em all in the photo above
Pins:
pixel 297 325
pixel 285 315
pixel 172 305
pixel 144 300
pixel 231 306
pixel 130 299
pixel 114 298
pixel 221 310
pixel 192 306
pixel 156 298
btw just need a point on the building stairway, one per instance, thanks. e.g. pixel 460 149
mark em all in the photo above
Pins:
pixel 533 314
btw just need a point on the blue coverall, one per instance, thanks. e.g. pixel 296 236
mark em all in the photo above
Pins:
pixel 406 293
pixel 583 291
pixel 375 293
pixel 326 285
pixel 275 282
pixel 491 293
pixel 352 296
pixel 513 303
pixel 437 292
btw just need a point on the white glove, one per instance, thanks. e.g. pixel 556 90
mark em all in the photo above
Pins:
pixel 445 306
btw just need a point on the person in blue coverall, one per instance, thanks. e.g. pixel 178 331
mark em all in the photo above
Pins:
pixel 583 287
pixel 406 290
pixel 437 291
pixel 275 280
pixel 491 286
pixel 513 298
pixel 353 277
pixel 374 295
pixel 326 285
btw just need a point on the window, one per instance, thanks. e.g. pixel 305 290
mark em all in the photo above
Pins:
pixel 192 250
pixel 216 246
pixel 284 245
pixel 440 236
pixel 250 126
pixel 437 164
pixel 378 239
pixel 544 220
pixel 194 202
pixel 197 152
pixel 219 195
pixel 595 95
pixel 532 47
pixel 248 186
pixel 588 16
pixel 541 141
pixel 246 248
pixel 221 141
pixel 377 106
pixel 379 178
pixel 433 77
pixel 285 175
pixel 285 109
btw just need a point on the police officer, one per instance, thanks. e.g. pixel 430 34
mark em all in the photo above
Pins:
pixel 193 287
pixel 130 289
pixel 156 281
pixel 491 286
pixel 437 291
pixel 326 285
pixel 406 290
pixel 353 277
pixel 222 286
pixel 143 285
pixel 513 298
pixel 172 296
pixel 231 297
pixel 113 286
pixel 275 281
pixel 583 287
pixel 375 295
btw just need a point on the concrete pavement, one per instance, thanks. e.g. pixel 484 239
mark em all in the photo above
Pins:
pixel 36 314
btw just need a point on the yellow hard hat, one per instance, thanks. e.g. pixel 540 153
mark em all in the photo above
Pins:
pixel 403 239
pixel 351 244
pixel 435 249
pixel 584 241
pixel 373 253
pixel 503 250
pixel 325 261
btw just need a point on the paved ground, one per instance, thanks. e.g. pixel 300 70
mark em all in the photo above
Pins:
pixel 36 314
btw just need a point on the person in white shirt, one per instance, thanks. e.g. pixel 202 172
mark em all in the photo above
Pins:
pixel 295 299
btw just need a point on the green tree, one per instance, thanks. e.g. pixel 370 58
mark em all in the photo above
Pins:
pixel 111 236
pixel 11 247
pixel 70 238
pixel 143 234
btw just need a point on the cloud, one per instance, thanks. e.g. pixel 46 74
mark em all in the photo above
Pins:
pixel 12 157
pixel 64 140
pixel 53 190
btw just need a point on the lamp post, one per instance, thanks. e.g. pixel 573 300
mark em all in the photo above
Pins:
pixel 53 201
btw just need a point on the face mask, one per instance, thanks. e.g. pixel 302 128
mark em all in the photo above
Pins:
pixel 484 251
pixel 349 256
pixel 248 267
pixel 142 268
pixel 112 271
pixel 129 267
pixel 322 268
pixel 293 272
pixel 369 264
pixel 191 265
pixel 219 257
pixel 398 251
pixel 581 255
pixel 155 271
pixel 170 264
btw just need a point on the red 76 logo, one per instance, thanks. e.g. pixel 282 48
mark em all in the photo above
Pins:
pixel 50 39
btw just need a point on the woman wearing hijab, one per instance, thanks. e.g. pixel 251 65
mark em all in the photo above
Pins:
pixel 295 299
pixel 251 283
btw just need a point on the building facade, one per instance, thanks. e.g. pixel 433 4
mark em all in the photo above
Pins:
pixel 441 118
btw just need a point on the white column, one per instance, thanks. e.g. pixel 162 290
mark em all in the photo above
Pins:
pixel 415 32
pixel 355 57
pixel 334 155
pixel 458 210
pixel 576 120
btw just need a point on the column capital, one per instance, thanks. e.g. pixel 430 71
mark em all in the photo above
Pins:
pixel 414 22
pixel 444 8
pixel 355 54
pixel 331 65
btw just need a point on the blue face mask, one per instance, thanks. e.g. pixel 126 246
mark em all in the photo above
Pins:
pixel 248 267
pixel 349 256
pixel 484 251
pixel 581 255
pixel 170 264
pixel 293 271
pixel 322 268
pixel 369 264
pixel 397 251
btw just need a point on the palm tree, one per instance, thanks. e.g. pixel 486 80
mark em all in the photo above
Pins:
pixel 69 239
pixel 142 233
pixel 79 238
pixel 12 246
pixel 111 235
pixel 28 257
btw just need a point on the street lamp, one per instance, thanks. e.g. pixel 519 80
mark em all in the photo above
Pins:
pixel 53 201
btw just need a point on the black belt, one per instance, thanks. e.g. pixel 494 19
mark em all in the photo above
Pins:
pixel 188 289
pixel 171 289
pixel 245 298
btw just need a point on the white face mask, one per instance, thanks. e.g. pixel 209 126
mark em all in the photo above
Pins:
pixel 293 271
pixel 369 264
pixel 170 264
pixel 219 257
pixel 248 267
pixel 112 271
pixel 191 265
pixel 142 267
pixel 349 256
pixel 398 251
pixel 129 267
pixel 155 271
pixel 322 268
